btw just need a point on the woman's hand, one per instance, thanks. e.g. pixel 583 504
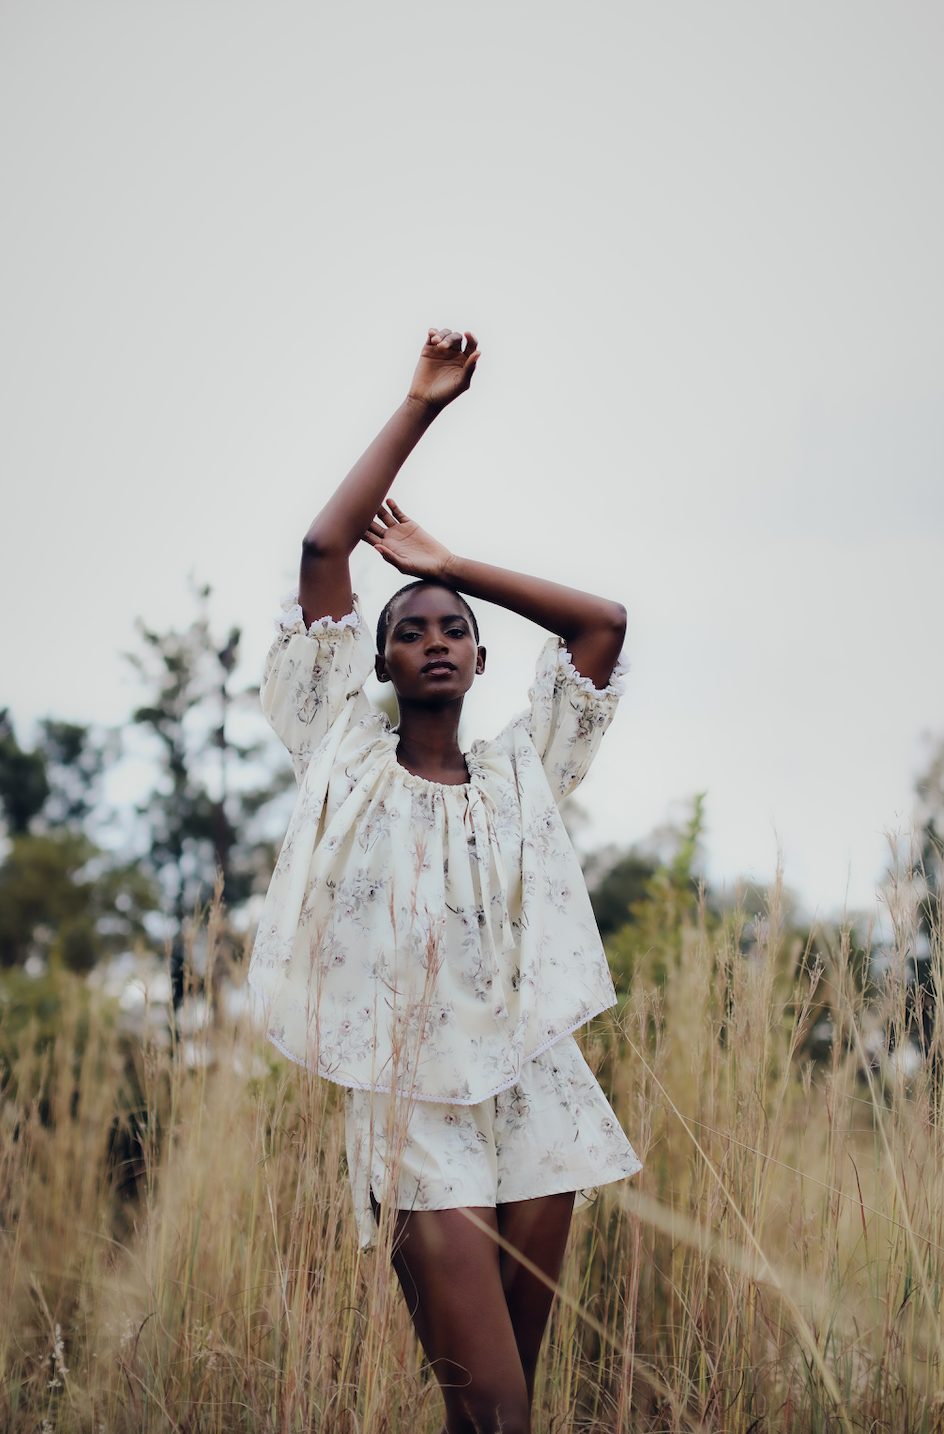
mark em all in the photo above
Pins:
pixel 324 581
pixel 405 545
pixel 443 371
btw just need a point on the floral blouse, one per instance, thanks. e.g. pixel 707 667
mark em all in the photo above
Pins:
pixel 425 938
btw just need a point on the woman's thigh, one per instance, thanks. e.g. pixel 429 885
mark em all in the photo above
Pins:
pixel 538 1230
pixel 449 1271
pixel 479 1313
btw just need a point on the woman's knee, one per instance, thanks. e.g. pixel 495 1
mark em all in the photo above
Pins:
pixel 486 1411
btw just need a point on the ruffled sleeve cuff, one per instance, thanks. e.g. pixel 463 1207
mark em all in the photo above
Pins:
pixel 291 619
pixel 569 716
pixel 616 687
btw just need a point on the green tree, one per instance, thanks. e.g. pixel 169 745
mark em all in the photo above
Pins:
pixel 76 760
pixel 615 894
pixel 62 897
pixel 24 785
pixel 928 872
pixel 929 868
pixel 650 940
pixel 200 815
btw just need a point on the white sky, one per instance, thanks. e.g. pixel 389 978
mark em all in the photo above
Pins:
pixel 701 246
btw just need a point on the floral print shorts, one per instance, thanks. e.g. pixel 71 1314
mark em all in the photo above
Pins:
pixel 552 1131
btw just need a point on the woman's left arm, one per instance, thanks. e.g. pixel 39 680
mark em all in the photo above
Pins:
pixel 592 627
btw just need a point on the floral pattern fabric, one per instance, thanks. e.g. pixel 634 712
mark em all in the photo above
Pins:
pixel 415 937
pixel 553 1130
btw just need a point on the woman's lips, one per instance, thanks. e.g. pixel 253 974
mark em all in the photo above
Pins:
pixel 434 667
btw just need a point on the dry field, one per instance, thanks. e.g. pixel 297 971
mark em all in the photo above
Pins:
pixel 178 1250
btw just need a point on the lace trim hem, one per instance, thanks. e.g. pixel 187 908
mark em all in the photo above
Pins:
pixel 614 688
pixel 292 616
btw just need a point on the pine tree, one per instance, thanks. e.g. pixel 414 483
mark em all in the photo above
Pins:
pixel 210 788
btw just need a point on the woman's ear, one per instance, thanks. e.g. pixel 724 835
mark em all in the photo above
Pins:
pixel 480 662
pixel 380 667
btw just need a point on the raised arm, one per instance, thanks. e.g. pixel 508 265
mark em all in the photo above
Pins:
pixel 442 373
pixel 592 627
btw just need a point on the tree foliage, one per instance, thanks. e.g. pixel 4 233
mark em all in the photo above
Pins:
pixel 76 760
pixel 650 940
pixel 616 894
pixel 927 872
pixel 24 785
pixel 929 789
pixel 62 898
pixel 200 813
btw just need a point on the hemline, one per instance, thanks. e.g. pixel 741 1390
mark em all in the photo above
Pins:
pixel 417 1095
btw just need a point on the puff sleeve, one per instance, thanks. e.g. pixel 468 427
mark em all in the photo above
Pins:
pixel 310 675
pixel 569 716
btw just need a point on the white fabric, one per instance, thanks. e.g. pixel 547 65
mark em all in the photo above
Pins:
pixel 419 937
pixel 292 614
pixel 553 1130
pixel 614 688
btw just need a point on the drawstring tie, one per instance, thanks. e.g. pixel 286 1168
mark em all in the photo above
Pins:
pixel 488 851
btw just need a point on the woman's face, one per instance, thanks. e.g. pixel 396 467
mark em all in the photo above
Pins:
pixel 430 654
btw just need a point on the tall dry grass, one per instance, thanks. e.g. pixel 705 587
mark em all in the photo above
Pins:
pixel 777 1266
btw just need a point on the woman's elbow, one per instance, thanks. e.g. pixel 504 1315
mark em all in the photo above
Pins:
pixel 605 631
pixel 615 620
pixel 316 547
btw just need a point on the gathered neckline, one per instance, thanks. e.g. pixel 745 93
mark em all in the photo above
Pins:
pixel 426 783
pixel 423 782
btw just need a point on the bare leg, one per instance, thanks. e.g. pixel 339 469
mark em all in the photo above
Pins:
pixel 479 1315
pixel 539 1229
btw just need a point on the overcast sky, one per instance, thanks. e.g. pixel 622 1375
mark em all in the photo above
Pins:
pixel 701 246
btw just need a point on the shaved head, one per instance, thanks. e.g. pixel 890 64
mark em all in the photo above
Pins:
pixel 386 617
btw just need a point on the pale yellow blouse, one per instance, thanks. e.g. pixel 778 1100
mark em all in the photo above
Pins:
pixel 425 938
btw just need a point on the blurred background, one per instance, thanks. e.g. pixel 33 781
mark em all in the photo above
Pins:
pixel 701 246
pixel 697 244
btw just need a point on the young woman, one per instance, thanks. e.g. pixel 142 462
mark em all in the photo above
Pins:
pixel 427 939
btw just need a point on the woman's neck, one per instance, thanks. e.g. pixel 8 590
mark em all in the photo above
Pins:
pixel 429 744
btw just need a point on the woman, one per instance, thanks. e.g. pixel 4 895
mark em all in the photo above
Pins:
pixel 427 940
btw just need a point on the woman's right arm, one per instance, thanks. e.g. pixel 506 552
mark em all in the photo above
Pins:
pixel 324 583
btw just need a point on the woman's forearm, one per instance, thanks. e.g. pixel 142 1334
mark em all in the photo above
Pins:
pixel 443 372
pixel 592 627
pixel 340 525
pixel 567 611
pixel 324 579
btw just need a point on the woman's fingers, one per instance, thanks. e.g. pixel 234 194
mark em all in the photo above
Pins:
pixel 448 339
pixel 444 338
pixel 374 541
pixel 390 516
